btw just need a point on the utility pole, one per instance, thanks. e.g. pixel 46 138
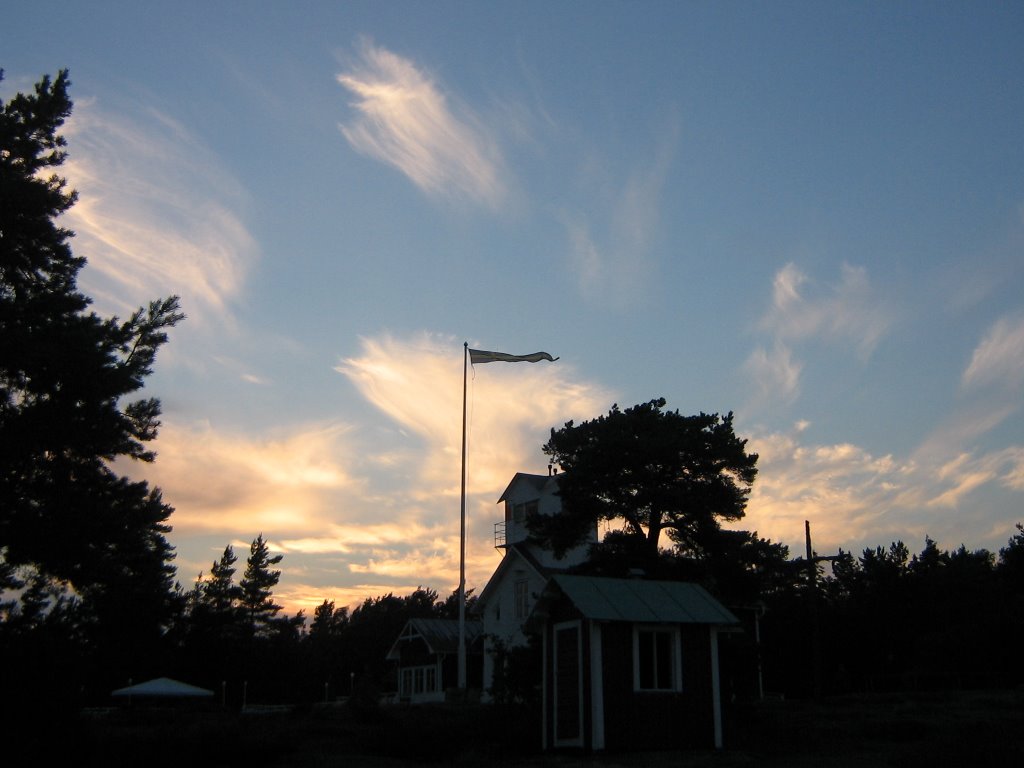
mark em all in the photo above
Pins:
pixel 812 584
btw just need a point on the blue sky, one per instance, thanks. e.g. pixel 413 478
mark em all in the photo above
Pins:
pixel 809 214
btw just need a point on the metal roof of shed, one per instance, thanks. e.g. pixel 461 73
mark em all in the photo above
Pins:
pixel 640 601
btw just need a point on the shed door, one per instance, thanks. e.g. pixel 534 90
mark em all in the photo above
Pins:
pixel 568 677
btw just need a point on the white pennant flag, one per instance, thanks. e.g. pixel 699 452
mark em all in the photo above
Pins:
pixel 482 356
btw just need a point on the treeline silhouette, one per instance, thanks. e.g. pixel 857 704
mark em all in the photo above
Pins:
pixel 227 634
pixel 884 620
pixel 888 620
pixel 229 638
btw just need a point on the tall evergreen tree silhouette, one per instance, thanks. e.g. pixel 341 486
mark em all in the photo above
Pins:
pixel 257 587
pixel 66 379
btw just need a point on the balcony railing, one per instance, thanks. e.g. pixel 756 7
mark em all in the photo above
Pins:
pixel 499 535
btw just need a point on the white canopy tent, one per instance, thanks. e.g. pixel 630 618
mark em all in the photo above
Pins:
pixel 163 688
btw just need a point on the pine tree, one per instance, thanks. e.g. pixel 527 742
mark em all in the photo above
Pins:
pixel 328 621
pixel 213 605
pixel 257 587
pixel 65 373
pixel 652 470
pixel 220 593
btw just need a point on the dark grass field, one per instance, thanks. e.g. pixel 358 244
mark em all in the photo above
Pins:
pixel 904 730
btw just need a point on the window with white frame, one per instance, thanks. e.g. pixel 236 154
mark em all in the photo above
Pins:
pixel 656 659
pixel 418 680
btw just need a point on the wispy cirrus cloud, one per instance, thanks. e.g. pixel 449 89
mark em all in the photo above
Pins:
pixel 157 214
pixel 406 120
pixel 775 374
pixel 990 397
pixel 1013 478
pixel 999 357
pixel 610 250
pixel 846 312
pixel 417 382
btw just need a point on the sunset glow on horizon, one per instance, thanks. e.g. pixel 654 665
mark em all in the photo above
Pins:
pixel 812 216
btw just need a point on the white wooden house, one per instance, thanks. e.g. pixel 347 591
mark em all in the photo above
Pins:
pixel 513 589
pixel 425 655
pixel 627 663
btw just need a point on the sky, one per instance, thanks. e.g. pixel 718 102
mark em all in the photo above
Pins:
pixel 808 214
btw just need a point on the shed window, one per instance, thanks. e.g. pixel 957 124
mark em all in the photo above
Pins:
pixel 656 662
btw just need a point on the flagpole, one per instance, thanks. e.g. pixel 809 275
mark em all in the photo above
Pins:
pixel 462 532
pixel 478 356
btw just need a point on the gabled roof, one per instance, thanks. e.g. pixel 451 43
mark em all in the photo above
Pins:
pixel 164 687
pixel 635 600
pixel 537 482
pixel 513 553
pixel 439 635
